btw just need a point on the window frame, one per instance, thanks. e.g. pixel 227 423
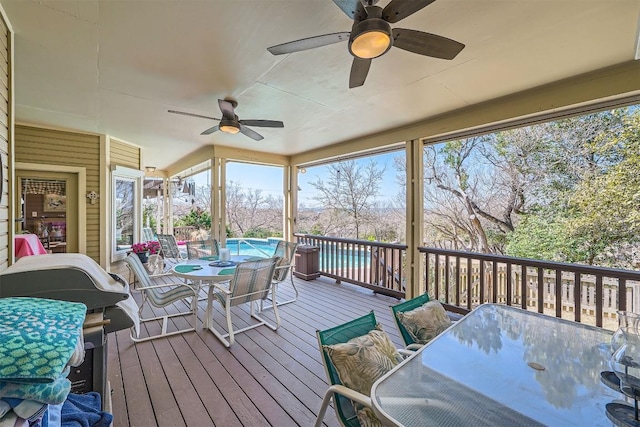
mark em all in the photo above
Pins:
pixel 135 176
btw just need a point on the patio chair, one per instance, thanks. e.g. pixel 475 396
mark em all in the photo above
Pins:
pixel 202 248
pixel 439 323
pixel 161 296
pixel 170 250
pixel 286 251
pixel 251 283
pixel 343 396
pixel 147 234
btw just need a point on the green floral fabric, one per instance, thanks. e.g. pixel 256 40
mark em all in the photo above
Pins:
pixel 360 362
pixel 37 337
pixel 425 322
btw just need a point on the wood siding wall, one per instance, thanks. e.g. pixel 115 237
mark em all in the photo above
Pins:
pixel 5 135
pixel 123 154
pixel 53 147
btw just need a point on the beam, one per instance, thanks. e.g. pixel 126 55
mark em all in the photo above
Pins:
pixel 621 81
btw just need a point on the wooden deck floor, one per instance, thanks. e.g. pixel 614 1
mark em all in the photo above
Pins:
pixel 265 378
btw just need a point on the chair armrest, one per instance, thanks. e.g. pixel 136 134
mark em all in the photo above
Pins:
pixel 344 391
pixel 218 285
pixel 167 285
pixel 405 352
pixel 350 394
pixel 414 347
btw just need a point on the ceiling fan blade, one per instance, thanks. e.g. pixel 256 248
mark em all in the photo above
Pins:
pixel 400 9
pixel 359 70
pixel 227 109
pixel 308 43
pixel 211 130
pixel 426 43
pixel 349 7
pixel 192 115
pixel 251 133
pixel 263 123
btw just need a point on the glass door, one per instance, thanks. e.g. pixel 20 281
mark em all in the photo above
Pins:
pixel 48 208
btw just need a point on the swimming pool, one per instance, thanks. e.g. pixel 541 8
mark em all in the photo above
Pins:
pixel 267 247
pixel 254 247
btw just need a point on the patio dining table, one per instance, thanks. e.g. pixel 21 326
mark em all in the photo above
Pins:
pixel 209 268
pixel 502 366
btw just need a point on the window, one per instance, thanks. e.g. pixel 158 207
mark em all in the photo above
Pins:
pixel 126 205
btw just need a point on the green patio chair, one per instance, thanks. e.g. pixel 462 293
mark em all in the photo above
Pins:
pixel 160 296
pixel 251 283
pixel 286 252
pixel 436 321
pixel 342 395
pixel 408 305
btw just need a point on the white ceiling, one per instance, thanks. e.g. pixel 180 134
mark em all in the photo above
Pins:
pixel 116 67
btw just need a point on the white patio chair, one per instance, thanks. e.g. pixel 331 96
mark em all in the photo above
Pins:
pixel 286 251
pixel 170 250
pixel 203 248
pixel 251 283
pixel 161 296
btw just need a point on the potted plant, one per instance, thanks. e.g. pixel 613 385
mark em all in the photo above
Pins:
pixel 144 249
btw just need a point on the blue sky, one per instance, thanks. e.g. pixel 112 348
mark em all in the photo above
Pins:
pixel 269 178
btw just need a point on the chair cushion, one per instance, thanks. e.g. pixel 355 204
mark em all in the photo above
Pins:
pixel 425 322
pixel 360 362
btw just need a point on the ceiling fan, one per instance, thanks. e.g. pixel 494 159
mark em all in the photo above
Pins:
pixel 229 122
pixel 371 35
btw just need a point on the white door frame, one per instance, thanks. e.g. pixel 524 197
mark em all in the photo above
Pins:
pixel 82 188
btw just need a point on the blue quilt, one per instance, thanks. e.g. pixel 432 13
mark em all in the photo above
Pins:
pixel 37 337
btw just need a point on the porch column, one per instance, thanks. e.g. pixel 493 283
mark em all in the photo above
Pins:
pixel 168 206
pixel 290 190
pixel 415 218
pixel 218 200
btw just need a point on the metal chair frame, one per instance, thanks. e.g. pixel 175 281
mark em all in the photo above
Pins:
pixel 251 283
pixel 152 293
pixel 286 251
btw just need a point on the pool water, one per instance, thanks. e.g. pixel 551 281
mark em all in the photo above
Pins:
pixel 267 247
pixel 253 247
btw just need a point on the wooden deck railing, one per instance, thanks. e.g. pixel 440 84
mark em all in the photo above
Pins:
pixel 577 292
pixel 373 265
pixel 183 233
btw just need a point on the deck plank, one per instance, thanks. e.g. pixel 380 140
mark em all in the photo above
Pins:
pixel 265 378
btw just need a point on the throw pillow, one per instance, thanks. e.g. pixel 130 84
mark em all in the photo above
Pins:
pixel 360 362
pixel 425 322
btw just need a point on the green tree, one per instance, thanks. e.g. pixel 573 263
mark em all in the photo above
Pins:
pixel 582 194
pixel 197 217
pixel 607 205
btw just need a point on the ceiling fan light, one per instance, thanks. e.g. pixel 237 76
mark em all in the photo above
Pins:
pixel 370 45
pixel 227 126
pixel 370 39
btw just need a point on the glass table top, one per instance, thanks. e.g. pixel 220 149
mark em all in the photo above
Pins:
pixel 501 365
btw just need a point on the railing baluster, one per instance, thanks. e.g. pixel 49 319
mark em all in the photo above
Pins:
pixel 469 282
pixel 482 282
pixel 447 278
pixel 437 277
pixel 578 296
pixel 599 300
pixel 540 289
pixel 558 292
pixel 509 290
pixel 458 278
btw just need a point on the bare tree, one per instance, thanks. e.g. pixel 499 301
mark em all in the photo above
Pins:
pixel 349 194
pixel 250 210
pixel 487 186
